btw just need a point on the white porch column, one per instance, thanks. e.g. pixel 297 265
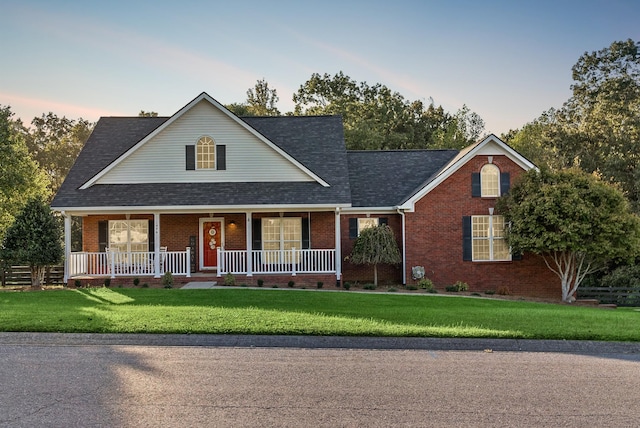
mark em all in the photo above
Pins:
pixel 156 245
pixel 338 247
pixel 67 245
pixel 249 237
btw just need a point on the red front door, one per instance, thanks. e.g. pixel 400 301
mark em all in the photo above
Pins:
pixel 212 239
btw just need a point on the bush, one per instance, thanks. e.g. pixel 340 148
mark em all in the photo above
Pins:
pixel 411 287
pixel 458 286
pixel 260 282
pixel 425 284
pixel 136 281
pixel 167 280
pixel 503 290
pixel 369 287
pixel 77 283
pixel 392 290
pixel 290 284
pixel 319 284
pixel 627 277
pixel 107 282
pixel 229 280
pixel 145 285
pixel 347 285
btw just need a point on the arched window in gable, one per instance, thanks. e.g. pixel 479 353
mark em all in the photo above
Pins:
pixel 205 153
pixel 490 181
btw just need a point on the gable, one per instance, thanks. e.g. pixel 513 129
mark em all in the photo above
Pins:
pixel 490 146
pixel 161 158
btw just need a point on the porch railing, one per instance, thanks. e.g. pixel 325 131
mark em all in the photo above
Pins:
pixel 291 261
pixel 116 263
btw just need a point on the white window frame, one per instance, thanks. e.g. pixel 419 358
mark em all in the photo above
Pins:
pixel 282 234
pixel 129 227
pixel 487 235
pixel 490 181
pixel 205 159
pixel 367 222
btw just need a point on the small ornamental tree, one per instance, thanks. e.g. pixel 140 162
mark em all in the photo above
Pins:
pixel 34 239
pixel 375 245
pixel 575 221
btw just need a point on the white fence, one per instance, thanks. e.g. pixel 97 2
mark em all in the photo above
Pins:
pixel 292 261
pixel 116 263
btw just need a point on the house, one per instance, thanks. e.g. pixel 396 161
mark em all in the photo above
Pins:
pixel 206 193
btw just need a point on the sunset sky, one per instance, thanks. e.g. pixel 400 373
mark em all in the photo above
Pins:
pixel 508 61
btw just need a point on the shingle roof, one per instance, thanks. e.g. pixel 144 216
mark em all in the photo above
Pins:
pixel 315 141
pixel 387 178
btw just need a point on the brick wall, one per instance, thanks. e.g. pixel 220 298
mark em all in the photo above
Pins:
pixel 434 239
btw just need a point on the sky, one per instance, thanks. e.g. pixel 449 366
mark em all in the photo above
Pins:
pixel 507 61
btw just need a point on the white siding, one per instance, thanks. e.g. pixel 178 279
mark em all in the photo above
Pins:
pixel 162 159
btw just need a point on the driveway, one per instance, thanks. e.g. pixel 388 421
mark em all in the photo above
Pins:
pixel 94 380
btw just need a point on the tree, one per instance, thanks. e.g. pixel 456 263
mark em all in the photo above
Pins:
pixel 20 178
pixel 375 245
pixel 34 239
pixel 261 101
pixel 55 143
pixel 575 221
pixel 147 114
pixel 376 118
pixel 598 128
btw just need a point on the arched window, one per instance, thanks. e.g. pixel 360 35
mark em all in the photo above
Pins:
pixel 490 181
pixel 205 153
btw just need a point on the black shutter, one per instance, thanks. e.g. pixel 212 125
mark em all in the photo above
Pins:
pixel 476 190
pixel 467 252
pixel 353 228
pixel 152 236
pixel 505 183
pixel 221 157
pixel 383 220
pixel 191 157
pixel 256 232
pixel 306 242
pixel 103 235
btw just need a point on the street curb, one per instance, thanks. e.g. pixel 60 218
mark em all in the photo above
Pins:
pixel 320 342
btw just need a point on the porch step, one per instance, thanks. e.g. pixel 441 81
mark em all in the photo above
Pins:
pixel 199 284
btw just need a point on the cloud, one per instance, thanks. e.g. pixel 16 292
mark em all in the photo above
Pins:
pixel 26 108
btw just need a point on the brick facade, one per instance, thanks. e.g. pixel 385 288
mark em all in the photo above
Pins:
pixel 434 239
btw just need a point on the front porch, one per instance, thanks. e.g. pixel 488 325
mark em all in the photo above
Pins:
pixel 119 263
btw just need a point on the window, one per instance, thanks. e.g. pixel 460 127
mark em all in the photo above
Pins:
pixel 205 153
pixel 490 181
pixel 365 223
pixel 129 235
pixel 488 238
pixel 281 233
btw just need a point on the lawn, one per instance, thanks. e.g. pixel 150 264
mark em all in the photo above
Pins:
pixel 307 312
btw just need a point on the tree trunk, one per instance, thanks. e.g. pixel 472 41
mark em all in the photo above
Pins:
pixel 37 274
pixel 375 274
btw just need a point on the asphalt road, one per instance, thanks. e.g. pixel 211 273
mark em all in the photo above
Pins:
pixel 57 380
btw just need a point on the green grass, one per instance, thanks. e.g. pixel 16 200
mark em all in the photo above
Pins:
pixel 250 311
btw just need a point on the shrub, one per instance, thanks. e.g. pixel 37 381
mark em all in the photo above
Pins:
pixel 392 289
pixel 411 287
pixel 167 280
pixel 369 287
pixel 347 285
pixel 503 290
pixel 623 277
pixel 290 284
pixel 319 284
pixel 490 292
pixel 260 282
pixel 145 285
pixel 229 280
pixel 77 283
pixel 136 281
pixel 425 284
pixel 107 282
pixel 458 286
